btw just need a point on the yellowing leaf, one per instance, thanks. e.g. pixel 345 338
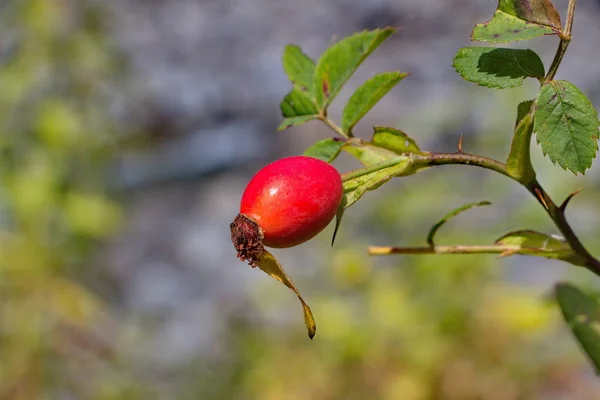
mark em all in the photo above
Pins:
pixel 269 264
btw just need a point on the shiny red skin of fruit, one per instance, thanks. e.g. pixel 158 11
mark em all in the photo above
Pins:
pixel 292 199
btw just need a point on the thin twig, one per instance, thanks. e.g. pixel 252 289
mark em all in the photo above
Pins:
pixel 460 249
pixel 334 127
pixel 565 39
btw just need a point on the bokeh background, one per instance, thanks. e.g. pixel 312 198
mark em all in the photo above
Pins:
pixel 128 130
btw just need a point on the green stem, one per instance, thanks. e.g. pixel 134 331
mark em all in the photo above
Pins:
pixel 430 159
pixel 333 126
pixel 565 39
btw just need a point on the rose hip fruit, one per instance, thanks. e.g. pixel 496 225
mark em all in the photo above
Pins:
pixel 286 203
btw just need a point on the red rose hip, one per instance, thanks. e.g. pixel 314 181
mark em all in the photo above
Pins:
pixel 286 203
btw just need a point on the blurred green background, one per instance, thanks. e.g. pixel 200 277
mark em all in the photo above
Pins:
pixel 128 130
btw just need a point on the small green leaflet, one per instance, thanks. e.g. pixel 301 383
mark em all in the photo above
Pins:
pixel 518 163
pixel 338 63
pixel 299 68
pixel 435 228
pixel 582 313
pixel 326 149
pixel 504 28
pixel 394 139
pixel 297 109
pixel 534 243
pixel 498 67
pixel 366 96
pixel 296 104
pixel 566 126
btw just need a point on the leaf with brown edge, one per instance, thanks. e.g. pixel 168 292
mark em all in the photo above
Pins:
pixel 541 12
pixel 516 20
pixel 269 264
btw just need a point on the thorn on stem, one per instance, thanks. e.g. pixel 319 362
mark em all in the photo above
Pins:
pixel 563 206
pixel 540 197
pixel 460 143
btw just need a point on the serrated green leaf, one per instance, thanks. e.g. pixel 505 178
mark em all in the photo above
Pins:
pixel 497 67
pixel 338 63
pixel 534 243
pixel 394 139
pixel 355 188
pixel 297 104
pixel 518 163
pixel 435 228
pixel 295 121
pixel 541 12
pixel 566 126
pixel 269 264
pixel 504 28
pixel 299 68
pixel 582 313
pixel 366 96
pixel 326 149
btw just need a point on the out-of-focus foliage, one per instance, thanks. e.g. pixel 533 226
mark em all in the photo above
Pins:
pixel 434 328
pixel 56 136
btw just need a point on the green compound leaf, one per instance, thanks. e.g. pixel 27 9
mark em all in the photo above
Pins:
pixel 299 68
pixel 497 67
pixel 366 96
pixel 338 63
pixel 394 140
pixel 533 243
pixel 505 27
pixel 435 228
pixel 566 125
pixel 518 163
pixel 582 313
pixel 355 188
pixel 326 149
